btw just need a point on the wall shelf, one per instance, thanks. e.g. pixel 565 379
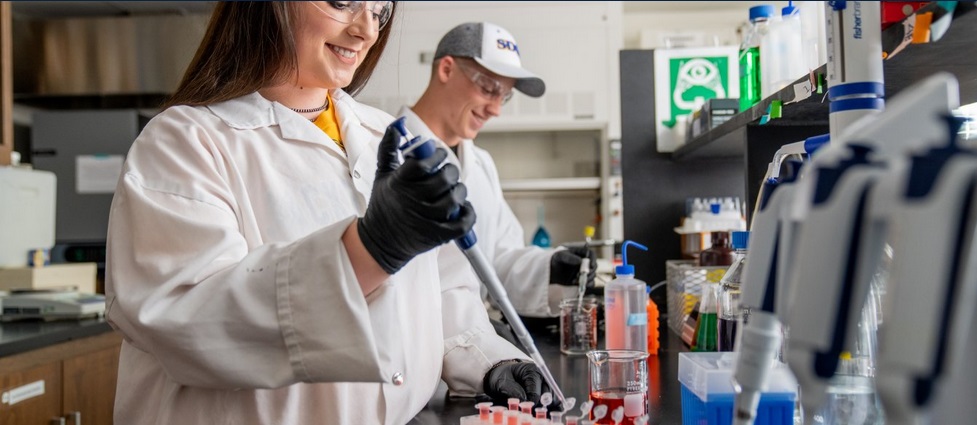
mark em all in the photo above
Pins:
pixel 914 63
pixel 519 125
pixel 547 184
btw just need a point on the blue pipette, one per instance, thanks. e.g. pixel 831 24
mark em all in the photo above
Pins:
pixel 416 148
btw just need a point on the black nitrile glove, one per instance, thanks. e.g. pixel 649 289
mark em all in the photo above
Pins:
pixel 516 379
pixel 411 205
pixel 565 266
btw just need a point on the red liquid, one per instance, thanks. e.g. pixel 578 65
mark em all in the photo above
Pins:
pixel 613 400
pixel 727 335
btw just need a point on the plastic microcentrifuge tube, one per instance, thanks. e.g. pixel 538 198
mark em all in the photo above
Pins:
pixel 572 420
pixel 641 420
pixel 546 399
pixel 543 421
pixel 617 415
pixel 556 417
pixel 527 407
pixel 600 412
pixel 585 408
pixel 569 403
pixel 540 413
pixel 497 414
pixel 511 417
pixel 483 411
pixel 586 422
pixel 513 403
pixel 526 419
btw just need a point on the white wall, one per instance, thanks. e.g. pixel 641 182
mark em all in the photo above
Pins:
pixel 654 20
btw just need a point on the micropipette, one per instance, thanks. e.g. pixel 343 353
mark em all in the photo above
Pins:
pixel 423 149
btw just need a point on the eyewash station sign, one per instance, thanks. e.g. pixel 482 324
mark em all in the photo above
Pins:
pixel 684 80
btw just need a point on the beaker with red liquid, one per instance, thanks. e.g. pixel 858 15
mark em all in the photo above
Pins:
pixel 619 378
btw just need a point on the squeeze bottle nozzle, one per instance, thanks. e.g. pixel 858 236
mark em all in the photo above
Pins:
pixel 625 268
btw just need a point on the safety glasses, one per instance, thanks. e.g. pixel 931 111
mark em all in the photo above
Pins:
pixel 491 88
pixel 348 11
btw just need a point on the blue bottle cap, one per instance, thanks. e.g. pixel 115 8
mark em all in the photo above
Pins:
pixel 788 10
pixel 627 268
pixel 741 239
pixel 762 11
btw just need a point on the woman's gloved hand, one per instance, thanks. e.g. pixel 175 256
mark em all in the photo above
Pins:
pixel 514 379
pixel 565 266
pixel 411 208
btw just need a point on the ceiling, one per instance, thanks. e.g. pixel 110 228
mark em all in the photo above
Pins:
pixel 74 9
pixel 67 9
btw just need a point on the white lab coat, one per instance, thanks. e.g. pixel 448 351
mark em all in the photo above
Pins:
pixel 227 276
pixel 523 270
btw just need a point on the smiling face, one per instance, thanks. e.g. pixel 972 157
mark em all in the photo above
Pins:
pixel 330 51
pixel 476 95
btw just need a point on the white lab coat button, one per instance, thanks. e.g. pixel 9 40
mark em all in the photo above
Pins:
pixel 356 174
pixel 398 379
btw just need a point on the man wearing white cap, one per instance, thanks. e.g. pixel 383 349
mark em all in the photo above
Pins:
pixel 476 66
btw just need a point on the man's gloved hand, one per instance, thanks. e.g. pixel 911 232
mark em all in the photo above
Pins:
pixel 515 379
pixel 411 206
pixel 565 266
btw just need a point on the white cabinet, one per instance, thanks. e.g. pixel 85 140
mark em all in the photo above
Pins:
pixel 550 151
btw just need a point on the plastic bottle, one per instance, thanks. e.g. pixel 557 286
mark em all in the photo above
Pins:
pixel 625 307
pixel 719 254
pixel 541 238
pixel 782 52
pixel 653 338
pixel 750 56
pixel 730 313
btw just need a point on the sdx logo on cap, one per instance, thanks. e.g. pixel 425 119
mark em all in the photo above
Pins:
pixel 493 48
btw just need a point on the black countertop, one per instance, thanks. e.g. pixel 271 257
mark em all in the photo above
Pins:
pixel 23 336
pixel 571 374
pixel 569 371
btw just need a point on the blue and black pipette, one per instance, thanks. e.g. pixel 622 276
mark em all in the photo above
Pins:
pixel 419 149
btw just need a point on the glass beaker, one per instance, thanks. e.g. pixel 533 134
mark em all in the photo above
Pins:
pixel 578 325
pixel 619 378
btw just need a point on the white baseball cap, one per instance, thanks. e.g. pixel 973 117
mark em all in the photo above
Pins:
pixel 493 48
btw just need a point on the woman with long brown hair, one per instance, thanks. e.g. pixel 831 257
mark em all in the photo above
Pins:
pixel 268 254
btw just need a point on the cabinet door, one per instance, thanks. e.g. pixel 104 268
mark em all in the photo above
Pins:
pixel 24 402
pixel 89 386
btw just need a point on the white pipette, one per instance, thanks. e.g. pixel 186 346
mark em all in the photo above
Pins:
pixel 418 149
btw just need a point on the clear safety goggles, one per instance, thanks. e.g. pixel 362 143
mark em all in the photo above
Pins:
pixel 491 88
pixel 349 11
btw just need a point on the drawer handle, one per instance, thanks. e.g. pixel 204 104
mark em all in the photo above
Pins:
pixel 58 421
pixel 76 416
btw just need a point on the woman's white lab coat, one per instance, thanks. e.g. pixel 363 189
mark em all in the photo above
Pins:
pixel 237 300
pixel 523 270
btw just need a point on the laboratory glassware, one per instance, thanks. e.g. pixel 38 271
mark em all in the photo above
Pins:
pixel 578 325
pixel 619 378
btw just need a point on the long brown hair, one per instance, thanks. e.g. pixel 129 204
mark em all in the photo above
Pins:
pixel 250 45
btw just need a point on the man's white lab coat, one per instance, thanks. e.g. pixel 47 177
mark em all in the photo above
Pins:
pixel 523 270
pixel 228 278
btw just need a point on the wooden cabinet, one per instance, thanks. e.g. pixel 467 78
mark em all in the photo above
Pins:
pixel 74 381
